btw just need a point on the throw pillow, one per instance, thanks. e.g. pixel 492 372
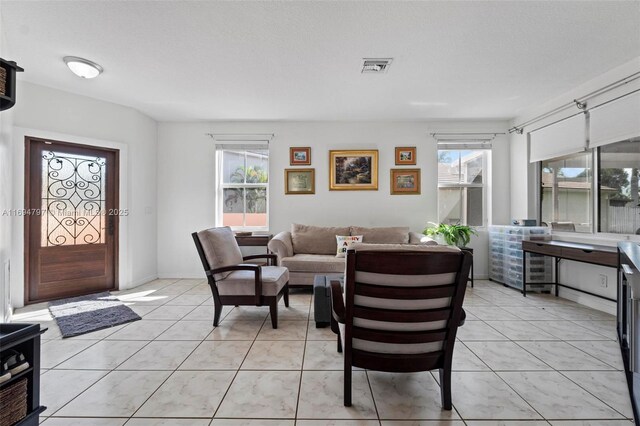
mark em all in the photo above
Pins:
pixel 344 242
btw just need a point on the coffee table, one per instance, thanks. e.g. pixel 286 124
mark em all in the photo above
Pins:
pixel 322 298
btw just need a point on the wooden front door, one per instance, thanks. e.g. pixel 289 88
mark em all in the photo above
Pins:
pixel 71 223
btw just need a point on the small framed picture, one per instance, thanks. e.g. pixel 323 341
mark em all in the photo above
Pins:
pixel 405 181
pixel 406 156
pixel 300 156
pixel 299 181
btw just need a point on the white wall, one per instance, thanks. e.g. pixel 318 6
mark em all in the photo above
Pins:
pixel 186 181
pixel 524 185
pixel 50 113
pixel 6 186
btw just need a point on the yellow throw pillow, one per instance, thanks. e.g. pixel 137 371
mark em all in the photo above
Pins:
pixel 345 241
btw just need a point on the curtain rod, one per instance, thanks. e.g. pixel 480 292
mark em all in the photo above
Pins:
pixel 465 140
pixel 213 135
pixel 488 137
pixel 580 103
pixel 468 133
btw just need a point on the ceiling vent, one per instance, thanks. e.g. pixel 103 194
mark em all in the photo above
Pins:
pixel 375 65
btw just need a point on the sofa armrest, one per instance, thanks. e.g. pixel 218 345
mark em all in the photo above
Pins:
pixel 416 238
pixel 281 245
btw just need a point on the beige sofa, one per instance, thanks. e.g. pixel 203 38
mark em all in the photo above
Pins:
pixel 308 251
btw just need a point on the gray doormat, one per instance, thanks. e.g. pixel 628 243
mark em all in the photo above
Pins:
pixel 83 314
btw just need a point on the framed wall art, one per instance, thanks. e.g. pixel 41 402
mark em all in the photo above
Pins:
pixel 300 156
pixel 405 181
pixel 406 156
pixel 353 170
pixel 299 181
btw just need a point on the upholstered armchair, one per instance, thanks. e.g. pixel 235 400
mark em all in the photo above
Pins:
pixel 400 311
pixel 234 282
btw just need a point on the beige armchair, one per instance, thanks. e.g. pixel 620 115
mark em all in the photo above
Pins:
pixel 233 282
pixel 401 309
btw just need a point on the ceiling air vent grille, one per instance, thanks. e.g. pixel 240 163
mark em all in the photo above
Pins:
pixel 375 65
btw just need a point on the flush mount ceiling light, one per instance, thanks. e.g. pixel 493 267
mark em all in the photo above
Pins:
pixel 83 67
pixel 375 65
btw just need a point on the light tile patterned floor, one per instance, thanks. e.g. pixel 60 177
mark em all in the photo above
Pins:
pixel 538 359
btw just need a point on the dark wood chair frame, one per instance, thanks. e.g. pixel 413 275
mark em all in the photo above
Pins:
pixel 257 299
pixel 401 263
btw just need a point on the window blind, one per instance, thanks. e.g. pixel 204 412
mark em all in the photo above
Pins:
pixel 462 146
pixel 559 139
pixel 241 146
pixel 615 121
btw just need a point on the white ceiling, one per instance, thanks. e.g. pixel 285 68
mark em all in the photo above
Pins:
pixel 206 60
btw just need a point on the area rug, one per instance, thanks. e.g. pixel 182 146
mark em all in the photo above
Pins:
pixel 83 314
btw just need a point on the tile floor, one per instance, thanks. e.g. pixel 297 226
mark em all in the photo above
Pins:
pixel 536 360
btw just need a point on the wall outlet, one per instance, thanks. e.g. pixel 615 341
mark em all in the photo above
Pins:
pixel 603 281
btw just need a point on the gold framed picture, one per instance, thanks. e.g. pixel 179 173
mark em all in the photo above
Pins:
pixel 405 156
pixel 300 156
pixel 299 181
pixel 353 170
pixel 405 181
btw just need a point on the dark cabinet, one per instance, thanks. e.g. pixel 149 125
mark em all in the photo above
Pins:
pixel 8 70
pixel 629 316
pixel 24 410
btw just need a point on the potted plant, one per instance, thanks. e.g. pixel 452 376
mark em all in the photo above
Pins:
pixel 455 235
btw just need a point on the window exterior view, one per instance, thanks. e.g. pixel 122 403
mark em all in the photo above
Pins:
pixel 243 188
pixel 567 190
pixel 461 186
pixel 566 196
pixel 618 182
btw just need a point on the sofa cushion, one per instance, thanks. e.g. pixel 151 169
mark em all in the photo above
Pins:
pixel 389 235
pixel 243 283
pixel 319 263
pixel 315 239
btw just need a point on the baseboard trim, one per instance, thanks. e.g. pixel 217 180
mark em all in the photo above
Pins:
pixel 182 275
pixel 139 282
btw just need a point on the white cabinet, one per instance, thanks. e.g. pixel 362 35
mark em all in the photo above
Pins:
pixel 505 256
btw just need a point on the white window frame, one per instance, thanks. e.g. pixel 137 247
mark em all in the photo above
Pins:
pixel 238 146
pixel 486 181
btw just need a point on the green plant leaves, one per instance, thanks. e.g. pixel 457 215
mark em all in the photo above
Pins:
pixel 457 235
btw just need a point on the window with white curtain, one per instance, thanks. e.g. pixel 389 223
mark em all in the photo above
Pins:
pixel 242 200
pixel 590 168
pixel 462 180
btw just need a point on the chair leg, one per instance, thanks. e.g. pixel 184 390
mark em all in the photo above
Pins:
pixel 445 388
pixel 286 295
pixel 273 310
pixel 339 343
pixel 217 311
pixel 347 384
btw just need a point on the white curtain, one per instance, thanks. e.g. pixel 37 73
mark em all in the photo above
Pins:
pixel 615 121
pixel 559 139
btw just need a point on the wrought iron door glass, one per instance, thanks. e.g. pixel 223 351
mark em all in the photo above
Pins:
pixel 73 199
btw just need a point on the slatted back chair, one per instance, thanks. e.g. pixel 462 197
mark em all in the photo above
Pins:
pixel 234 282
pixel 401 310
